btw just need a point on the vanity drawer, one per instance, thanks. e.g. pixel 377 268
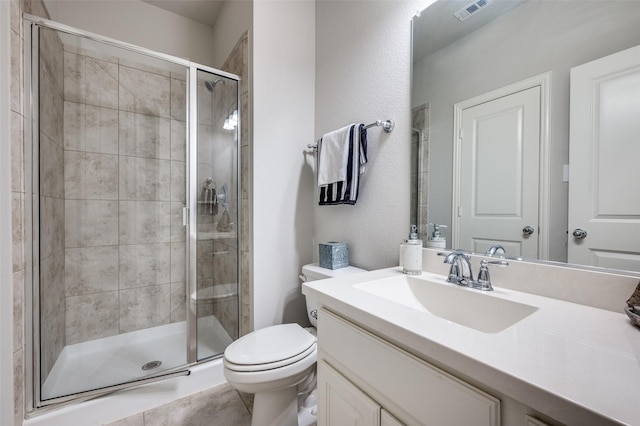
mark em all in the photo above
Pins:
pixel 413 390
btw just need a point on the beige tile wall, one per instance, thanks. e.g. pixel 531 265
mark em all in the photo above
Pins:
pixel 420 121
pixel 18 197
pixel 123 184
pixel 52 236
pixel 238 63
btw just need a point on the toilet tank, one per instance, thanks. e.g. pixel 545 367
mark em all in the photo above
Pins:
pixel 313 272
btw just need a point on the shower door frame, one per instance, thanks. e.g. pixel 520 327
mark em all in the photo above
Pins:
pixel 31 55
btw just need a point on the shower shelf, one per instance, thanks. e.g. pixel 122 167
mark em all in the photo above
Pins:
pixel 215 235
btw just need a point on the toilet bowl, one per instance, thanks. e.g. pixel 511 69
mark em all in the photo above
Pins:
pixel 277 362
pixel 270 363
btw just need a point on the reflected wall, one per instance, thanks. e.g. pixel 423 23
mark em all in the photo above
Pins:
pixel 534 38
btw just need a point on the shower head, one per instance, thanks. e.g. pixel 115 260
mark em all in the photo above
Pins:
pixel 210 85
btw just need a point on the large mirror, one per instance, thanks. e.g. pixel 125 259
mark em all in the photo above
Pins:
pixel 526 128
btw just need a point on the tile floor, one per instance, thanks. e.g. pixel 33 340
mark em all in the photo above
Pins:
pixel 219 406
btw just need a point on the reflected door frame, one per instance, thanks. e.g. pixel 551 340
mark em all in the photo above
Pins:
pixel 543 81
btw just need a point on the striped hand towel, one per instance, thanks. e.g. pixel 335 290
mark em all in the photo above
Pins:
pixel 346 191
pixel 334 156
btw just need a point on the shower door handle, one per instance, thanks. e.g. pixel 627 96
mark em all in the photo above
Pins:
pixel 185 216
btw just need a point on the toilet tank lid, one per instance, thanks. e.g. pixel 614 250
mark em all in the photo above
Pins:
pixel 313 271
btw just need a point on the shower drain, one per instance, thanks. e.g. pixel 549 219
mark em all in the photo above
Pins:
pixel 151 365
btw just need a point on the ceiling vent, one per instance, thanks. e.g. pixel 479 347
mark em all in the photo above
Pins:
pixel 470 9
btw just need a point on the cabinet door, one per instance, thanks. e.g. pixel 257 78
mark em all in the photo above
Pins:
pixel 341 403
pixel 414 390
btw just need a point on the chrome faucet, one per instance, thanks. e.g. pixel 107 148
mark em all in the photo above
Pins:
pixel 460 271
pixel 495 249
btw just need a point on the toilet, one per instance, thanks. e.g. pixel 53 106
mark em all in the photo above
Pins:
pixel 276 363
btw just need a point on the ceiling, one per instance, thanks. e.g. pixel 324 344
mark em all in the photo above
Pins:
pixel 437 27
pixel 443 28
pixel 203 11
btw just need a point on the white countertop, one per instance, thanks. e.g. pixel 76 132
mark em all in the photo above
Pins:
pixel 574 363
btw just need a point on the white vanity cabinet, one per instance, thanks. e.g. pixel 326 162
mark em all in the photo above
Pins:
pixel 341 402
pixel 401 346
pixel 365 380
pixel 345 404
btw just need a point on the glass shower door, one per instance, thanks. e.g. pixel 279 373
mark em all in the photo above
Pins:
pixel 111 188
pixel 215 303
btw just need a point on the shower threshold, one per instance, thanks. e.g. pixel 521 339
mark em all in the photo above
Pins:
pixel 119 359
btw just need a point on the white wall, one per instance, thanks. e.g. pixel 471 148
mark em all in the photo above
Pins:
pixel 363 51
pixel 234 19
pixel 6 265
pixel 139 23
pixel 283 41
pixel 532 39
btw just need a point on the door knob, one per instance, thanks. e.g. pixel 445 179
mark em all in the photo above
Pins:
pixel 579 233
pixel 528 230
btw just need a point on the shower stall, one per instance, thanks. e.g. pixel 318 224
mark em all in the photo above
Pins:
pixel 133 171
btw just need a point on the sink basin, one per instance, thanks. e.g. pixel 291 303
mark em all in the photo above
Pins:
pixel 470 308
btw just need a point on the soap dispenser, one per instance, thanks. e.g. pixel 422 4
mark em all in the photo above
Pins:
pixel 412 253
pixel 435 240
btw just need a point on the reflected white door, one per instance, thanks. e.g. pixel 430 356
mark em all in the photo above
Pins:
pixel 498 175
pixel 604 162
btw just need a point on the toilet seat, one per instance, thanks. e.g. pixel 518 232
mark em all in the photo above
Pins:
pixel 273 379
pixel 271 365
pixel 268 348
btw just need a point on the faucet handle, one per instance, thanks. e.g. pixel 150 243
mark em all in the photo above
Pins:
pixel 484 279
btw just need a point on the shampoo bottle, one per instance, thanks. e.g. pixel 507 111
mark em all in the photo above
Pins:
pixel 412 253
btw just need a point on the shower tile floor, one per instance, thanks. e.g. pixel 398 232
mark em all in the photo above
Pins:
pixel 119 359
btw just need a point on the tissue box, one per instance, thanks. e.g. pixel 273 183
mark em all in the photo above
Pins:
pixel 334 255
